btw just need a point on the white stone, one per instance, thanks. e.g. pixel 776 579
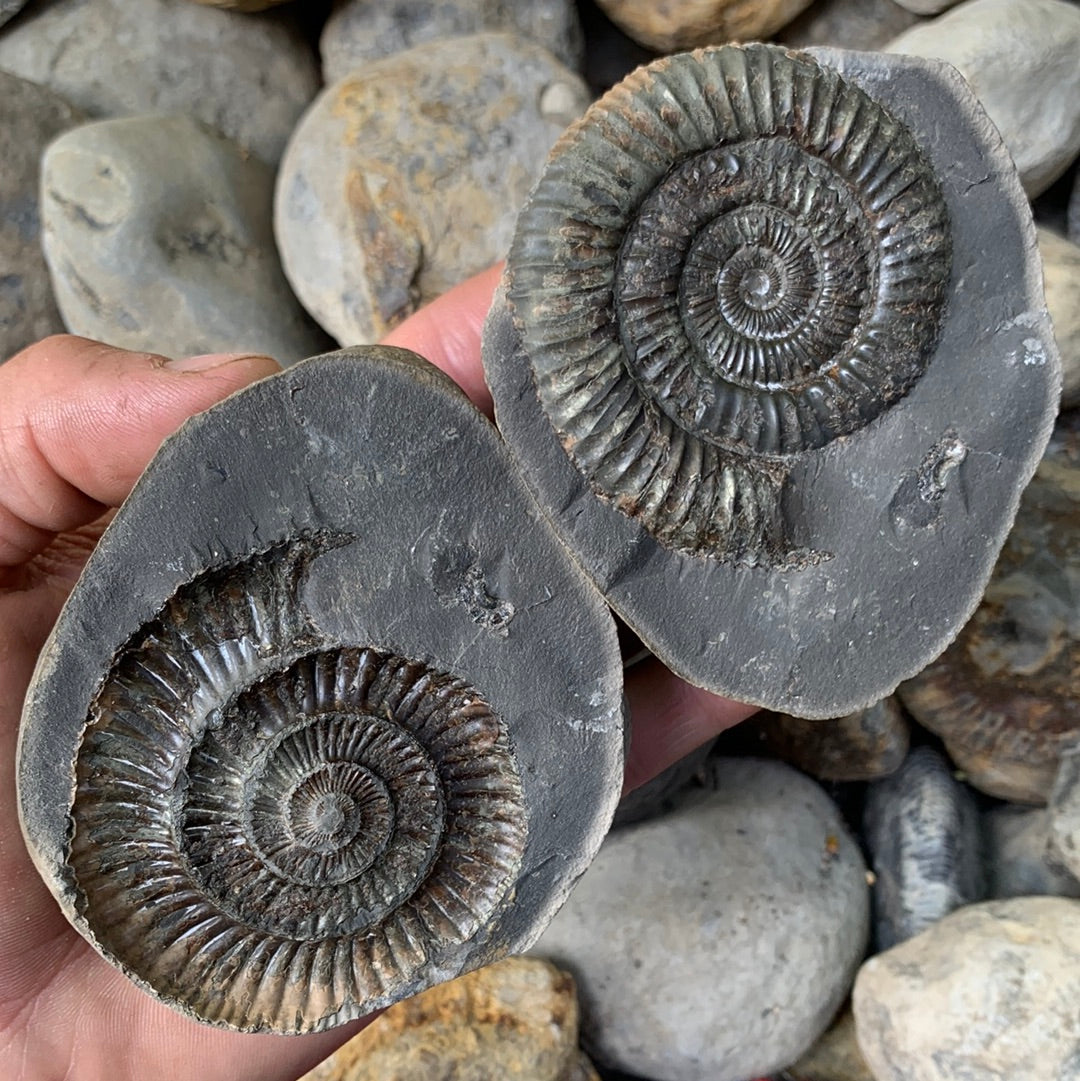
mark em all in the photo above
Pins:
pixel 989 993
pixel 247 76
pixel 1022 59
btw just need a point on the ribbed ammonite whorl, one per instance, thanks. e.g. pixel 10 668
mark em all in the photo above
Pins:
pixel 735 258
pixel 280 835
pixel 772 354
pixel 311 734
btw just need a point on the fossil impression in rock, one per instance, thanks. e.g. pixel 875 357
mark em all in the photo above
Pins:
pixel 731 359
pixel 312 733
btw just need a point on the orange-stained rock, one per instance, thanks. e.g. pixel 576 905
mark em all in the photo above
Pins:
pixel 516 1020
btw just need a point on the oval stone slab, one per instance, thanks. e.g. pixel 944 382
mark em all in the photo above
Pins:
pixel 330 716
pixel 900 520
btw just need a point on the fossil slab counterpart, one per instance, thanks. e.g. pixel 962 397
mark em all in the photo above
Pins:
pixel 331 715
pixel 772 353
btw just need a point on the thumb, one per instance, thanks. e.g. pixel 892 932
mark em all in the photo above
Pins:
pixel 80 420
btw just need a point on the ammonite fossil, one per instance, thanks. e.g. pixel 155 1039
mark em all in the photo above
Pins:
pixel 733 362
pixel 331 715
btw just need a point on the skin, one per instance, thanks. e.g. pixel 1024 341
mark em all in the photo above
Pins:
pixel 78 422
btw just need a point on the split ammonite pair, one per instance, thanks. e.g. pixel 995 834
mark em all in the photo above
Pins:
pixel 772 365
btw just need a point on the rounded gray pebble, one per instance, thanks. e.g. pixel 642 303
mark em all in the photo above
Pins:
pixel 719 940
pixel 922 828
pixel 249 76
pixel 159 236
pixel 1015 854
pixel 31 116
pixel 1020 59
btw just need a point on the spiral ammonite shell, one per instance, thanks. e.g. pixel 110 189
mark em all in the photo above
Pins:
pixel 772 354
pixel 738 257
pixel 318 739
pixel 285 835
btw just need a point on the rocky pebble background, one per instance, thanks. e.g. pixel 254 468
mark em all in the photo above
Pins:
pixel 186 176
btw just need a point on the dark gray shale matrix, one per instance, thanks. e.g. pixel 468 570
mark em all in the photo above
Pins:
pixel 331 715
pixel 772 353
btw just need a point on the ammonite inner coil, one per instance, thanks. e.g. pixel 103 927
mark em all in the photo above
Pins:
pixel 336 745
pixel 730 353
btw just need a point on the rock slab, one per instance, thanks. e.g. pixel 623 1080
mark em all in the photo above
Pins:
pixel 404 179
pixel 1019 56
pixel 718 940
pixel 987 993
pixel 382 706
pixel 515 1020
pixel 248 77
pixel 32 116
pixel 159 236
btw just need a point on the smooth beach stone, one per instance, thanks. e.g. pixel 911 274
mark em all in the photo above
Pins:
pixel 847 24
pixel 988 993
pixel 718 940
pixel 330 716
pixel 1061 281
pixel 515 1020
pixel 30 116
pixel 921 826
pixel 1005 696
pixel 679 363
pixel 159 235
pixel 359 31
pixel 669 28
pixel 1074 211
pixel 927 7
pixel 404 178
pixel 1063 810
pixel 1020 59
pixel 860 746
pixel 1015 843
pixel 249 78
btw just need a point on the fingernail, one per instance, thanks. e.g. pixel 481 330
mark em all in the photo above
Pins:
pixel 206 361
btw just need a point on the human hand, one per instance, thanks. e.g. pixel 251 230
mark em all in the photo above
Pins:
pixel 78 423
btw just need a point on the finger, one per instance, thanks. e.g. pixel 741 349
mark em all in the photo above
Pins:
pixel 669 718
pixel 80 420
pixel 447 332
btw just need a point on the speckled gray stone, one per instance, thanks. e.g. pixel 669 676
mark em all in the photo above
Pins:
pixel 988 993
pixel 343 505
pixel 717 941
pixel 847 24
pixel 1015 847
pixel 30 116
pixel 922 829
pixel 404 178
pixel 911 511
pixel 159 236
pixel 249 76
pixel 1061 278
pixel 1020 58
pixel 359 31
